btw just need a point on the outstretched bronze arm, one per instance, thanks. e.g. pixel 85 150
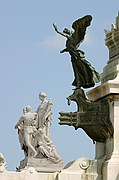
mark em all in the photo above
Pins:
pixel 61 33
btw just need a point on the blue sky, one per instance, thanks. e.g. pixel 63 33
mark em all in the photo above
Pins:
pixel 31 62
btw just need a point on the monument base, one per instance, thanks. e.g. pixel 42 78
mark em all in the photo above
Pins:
pixel 82 168
pixel 40 165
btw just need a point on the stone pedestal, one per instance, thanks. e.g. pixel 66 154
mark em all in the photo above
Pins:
pixel 109 151
pixel 41 165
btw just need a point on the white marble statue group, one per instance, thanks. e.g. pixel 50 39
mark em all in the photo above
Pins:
pixel 34 131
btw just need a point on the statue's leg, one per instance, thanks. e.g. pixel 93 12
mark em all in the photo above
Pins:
pixel 31 150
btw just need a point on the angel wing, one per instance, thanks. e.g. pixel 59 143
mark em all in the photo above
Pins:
pixel 80 26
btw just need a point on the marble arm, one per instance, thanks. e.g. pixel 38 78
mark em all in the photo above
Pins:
pixel 18 123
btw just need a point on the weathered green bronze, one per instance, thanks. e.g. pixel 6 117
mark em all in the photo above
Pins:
pixel 85 74
pixel 92 117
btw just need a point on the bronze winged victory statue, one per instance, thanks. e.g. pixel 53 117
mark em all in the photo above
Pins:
pixel 85 75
